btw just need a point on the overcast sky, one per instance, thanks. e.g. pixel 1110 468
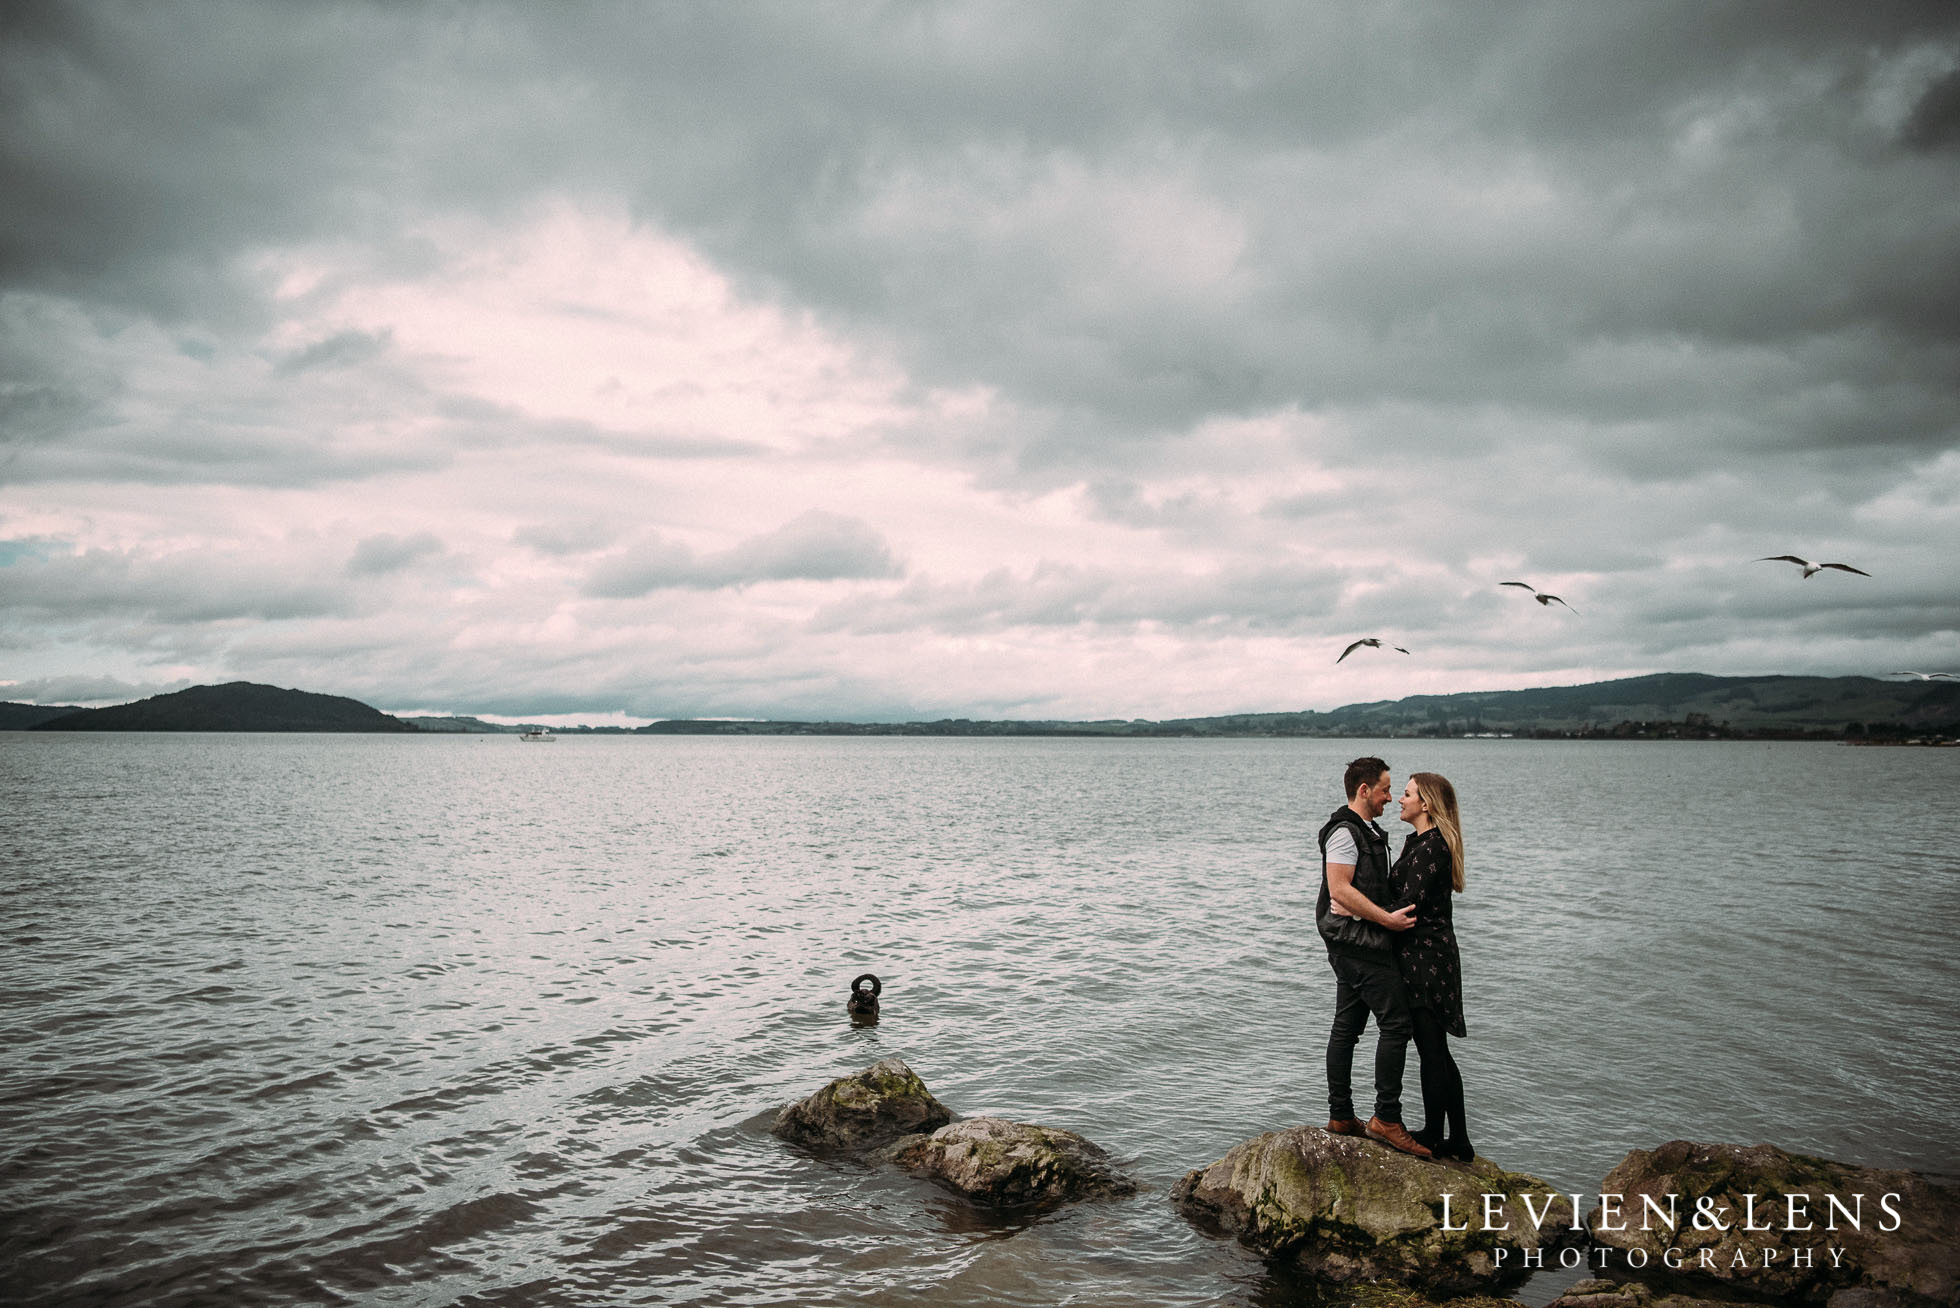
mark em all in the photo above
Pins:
pixel 1034 360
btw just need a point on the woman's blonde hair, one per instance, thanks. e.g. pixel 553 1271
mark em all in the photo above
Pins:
pixel 1439 797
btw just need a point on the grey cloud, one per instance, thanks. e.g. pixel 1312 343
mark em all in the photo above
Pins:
pixel 815 546
pixel 384 553
pixel 473 423
pixel 84 690
pixel 644 568
pixel 146 148
pixel 958 178
pixel 1368 281
pixel 66 414
pixel 1273 598
pixel 69 413
pixel 251 459
pixel 34 412
pixel 1049 595
pixel 183 588
pixel 341 350
pixel 564 538
pixel 1935 121
pixel 1123 500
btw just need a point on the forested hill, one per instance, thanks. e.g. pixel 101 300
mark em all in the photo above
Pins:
pixel 1692 703
pixel 235 706
pixel 21 717
pixel 1697 703
pixel 1664 704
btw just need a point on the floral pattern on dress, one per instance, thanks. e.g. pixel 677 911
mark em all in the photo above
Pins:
pixel 1426 953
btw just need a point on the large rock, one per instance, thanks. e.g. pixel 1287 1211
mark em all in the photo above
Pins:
pixel 1712 1189
pixel 1344 1209
pixel 1011 1164
pixel 862 1111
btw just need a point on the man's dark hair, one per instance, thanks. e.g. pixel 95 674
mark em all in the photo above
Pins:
pixel 1362 772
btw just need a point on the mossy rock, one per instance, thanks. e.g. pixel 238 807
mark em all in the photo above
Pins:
pixel 1710 1189
pixel 864 1110
pixel 1011 1164
pixel 1345 1211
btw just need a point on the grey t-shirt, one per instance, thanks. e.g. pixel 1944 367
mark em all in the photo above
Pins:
pixel 1341 849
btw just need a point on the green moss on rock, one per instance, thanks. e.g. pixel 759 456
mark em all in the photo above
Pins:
pixel 866 1109
pixel 1348 1211
pixel 1011 1164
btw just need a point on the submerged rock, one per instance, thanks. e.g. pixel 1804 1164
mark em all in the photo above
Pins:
pixel 1344 1209
pixel 864 1110
pixel 1896 1252
pixel 1628 1294
pixel 1010 1164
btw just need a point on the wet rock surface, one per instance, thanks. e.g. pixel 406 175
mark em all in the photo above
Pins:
pixel 1011 1164
pixel 864 1110
pixel 1715 1190
pixel 1629 1294
pixel 1346 1210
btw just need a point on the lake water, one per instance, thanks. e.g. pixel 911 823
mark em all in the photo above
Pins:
pixel 467 1021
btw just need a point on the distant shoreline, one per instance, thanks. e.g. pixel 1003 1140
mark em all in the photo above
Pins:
pixel 1660 706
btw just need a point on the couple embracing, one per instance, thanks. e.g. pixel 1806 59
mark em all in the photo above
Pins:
pixel 1393 951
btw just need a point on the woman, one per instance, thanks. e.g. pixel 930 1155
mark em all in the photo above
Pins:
pixel 1429 870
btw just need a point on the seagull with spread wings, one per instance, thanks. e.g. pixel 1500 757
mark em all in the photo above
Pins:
pixel 1543 597
pixel 1925 676
pixel 1809 568
pixel 1372 642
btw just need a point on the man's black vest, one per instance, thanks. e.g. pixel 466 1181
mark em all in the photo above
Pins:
pixel 1355 934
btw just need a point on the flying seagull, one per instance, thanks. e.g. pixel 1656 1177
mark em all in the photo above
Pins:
pixel 1372 642
pixel 1926 676
pixel 1542 597
pixel 1809 567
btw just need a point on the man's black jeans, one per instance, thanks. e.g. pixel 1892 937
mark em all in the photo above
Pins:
pixel 1367 984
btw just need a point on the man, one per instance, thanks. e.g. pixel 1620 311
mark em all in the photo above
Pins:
pixel 1353 886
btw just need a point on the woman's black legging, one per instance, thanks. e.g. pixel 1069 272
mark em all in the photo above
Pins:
pixel 1442 1084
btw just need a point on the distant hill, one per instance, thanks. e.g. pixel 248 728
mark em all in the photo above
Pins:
pixel 1664 704
pixel 20 717
pixel 459 726
pixel 235 706
pixel 1711 705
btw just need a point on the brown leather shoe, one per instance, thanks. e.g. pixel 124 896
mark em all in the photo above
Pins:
pixel 1346 1126
pixel 1396 1136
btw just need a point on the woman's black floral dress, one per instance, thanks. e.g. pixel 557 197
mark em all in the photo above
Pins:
pixel 1426 952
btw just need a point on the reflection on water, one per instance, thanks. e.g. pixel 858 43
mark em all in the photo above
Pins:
pixel 348 1019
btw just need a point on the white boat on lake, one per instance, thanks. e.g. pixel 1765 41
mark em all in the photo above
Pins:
pixel 540 733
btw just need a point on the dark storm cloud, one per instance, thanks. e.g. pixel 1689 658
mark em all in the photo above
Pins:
pixel 1935 120
pixel 815 546
pixel 966 193
pixel 148 145
pixel 925 170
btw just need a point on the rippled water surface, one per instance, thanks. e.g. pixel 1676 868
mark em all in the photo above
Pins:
pixel 466 1021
